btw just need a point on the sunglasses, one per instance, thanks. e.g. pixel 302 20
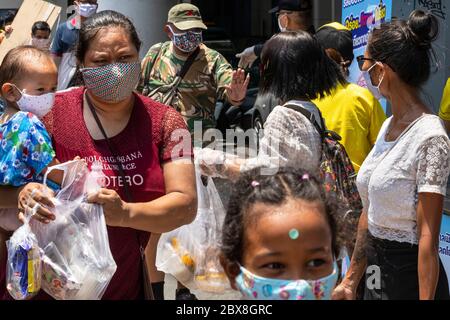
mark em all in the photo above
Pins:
pixel 361 60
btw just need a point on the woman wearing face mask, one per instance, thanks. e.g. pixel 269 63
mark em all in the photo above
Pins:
pixel 403 180
pixel 150 177
pixel 27 85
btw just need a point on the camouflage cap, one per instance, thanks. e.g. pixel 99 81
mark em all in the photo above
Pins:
pixel 186 16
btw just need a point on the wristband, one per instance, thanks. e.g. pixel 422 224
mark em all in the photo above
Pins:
pixel 54 186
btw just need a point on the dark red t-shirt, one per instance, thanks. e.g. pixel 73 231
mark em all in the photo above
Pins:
pixel 141 148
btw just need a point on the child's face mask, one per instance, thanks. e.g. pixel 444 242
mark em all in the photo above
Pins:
pixel 37 105
pixel 254 287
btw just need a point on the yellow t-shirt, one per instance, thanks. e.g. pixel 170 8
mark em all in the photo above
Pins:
pixel 355 114
pixel 444 111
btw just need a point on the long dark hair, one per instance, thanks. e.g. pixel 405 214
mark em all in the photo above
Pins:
pixel 295 66
pixel 406 46
pixel 275 190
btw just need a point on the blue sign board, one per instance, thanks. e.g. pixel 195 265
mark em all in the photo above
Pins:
pixel 361 17
pixel 444 244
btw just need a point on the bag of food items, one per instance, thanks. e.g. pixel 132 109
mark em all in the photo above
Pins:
pixel 77 263
pixel 23 271
pixel 191 253
pixel 70 257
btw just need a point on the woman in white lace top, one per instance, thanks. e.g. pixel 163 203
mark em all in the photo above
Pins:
pixel 296 71
pixel 403 180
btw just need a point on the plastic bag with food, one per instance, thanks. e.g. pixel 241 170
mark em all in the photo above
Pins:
pixel 24 264
pixel 77 262
pixel 191 253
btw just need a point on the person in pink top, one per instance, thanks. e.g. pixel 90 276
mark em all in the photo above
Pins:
pixel 146 154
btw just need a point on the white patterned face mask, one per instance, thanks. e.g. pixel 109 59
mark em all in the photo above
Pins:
pixel 37 105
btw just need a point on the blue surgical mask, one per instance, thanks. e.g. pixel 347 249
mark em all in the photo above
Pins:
pixel 254 287
pixel 375 90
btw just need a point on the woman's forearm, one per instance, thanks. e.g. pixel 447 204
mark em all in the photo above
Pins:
pixel 162 215
pixel 428 268
pixel 8 197
pixel 359 260
pixel 429 218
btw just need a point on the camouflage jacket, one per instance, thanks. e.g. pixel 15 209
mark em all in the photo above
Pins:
pixel 204 83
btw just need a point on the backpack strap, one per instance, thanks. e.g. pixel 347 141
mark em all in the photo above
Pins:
pixel 178 77
pixel 189 62
pixel 321 128
pixel 311 117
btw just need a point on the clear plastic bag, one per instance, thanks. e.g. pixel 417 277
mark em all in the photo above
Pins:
pixel 24 265
pixel 191 253
pixel 77 262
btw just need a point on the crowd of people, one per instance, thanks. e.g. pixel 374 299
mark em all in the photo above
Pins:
pixel 88 96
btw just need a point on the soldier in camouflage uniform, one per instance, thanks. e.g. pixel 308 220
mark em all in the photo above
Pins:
pixel 209 78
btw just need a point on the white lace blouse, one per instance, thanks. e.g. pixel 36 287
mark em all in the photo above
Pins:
pixel 394 173
pixel 290 140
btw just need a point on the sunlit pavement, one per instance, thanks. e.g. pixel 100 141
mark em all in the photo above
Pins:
pixel 171 285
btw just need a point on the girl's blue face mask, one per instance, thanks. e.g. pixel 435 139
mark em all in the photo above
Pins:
pixel 254 287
